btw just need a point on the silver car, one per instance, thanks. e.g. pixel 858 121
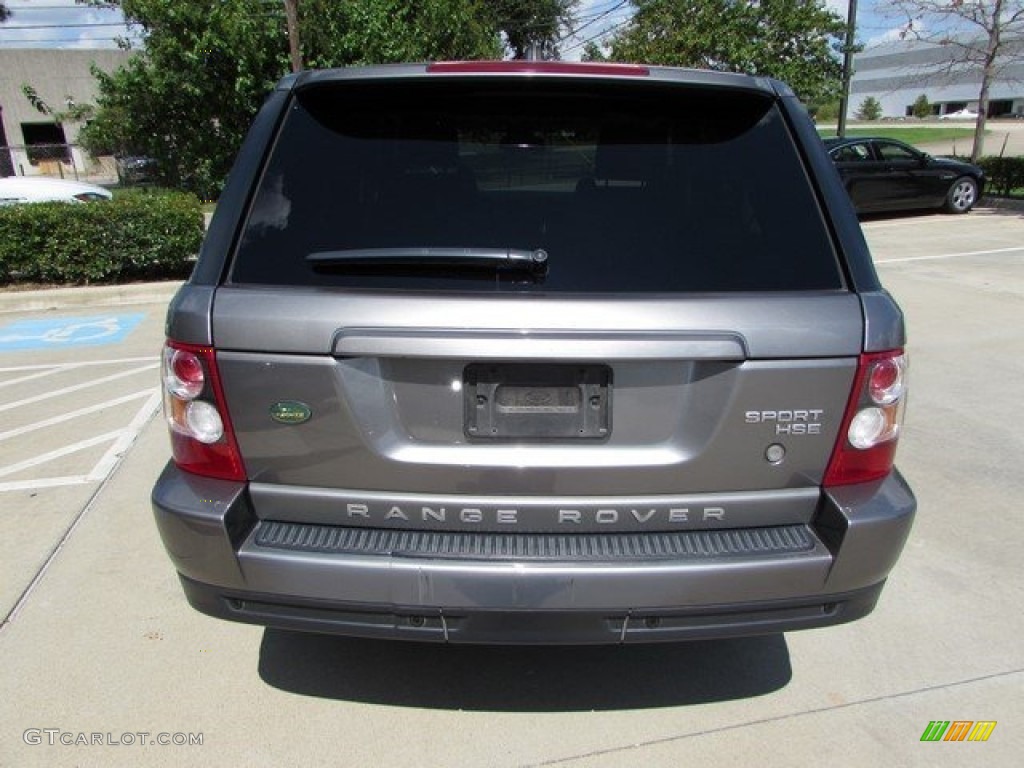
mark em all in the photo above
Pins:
pixel 43 189
pixel 528 352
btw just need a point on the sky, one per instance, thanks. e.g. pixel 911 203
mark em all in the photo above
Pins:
pixel 598 19
pixel 60 24
pixel 65 24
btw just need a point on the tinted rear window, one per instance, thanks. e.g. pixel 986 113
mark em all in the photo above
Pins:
pixel 627 188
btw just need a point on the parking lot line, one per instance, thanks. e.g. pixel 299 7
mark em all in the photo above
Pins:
pixel 67 450
pixel 77 387
pixel 97 395
pixel 950 255
pixel 49 482
pixel 34 376
pixel 83 364
pixel 73 414
pixel 122 440
pixel 127 437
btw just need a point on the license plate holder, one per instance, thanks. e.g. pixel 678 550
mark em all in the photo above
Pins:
pixel 527 401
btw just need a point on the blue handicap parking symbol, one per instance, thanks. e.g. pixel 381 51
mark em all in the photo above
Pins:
pixel 60 332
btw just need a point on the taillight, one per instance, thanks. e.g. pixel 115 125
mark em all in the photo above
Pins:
pixel 866 446
pixel 202 440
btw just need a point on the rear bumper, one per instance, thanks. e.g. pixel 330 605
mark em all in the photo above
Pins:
pixel 528 627
pixel 834 575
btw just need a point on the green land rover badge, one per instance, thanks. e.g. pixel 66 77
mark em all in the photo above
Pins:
pixel 290 412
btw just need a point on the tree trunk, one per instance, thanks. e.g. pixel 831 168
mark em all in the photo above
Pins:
pixel 291 12
pixel 988 72
pixel 979 124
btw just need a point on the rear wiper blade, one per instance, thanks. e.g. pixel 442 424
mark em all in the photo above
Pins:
pixel 475 258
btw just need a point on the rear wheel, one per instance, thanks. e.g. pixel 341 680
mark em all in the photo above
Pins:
pixel 962 195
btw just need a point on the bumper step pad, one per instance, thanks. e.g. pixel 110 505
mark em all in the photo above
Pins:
pixel 675 545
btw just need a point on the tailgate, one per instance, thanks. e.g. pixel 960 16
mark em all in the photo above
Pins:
pixel 532 398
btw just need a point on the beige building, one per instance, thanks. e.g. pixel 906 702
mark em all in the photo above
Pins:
pixel 896 73
pixel 33 143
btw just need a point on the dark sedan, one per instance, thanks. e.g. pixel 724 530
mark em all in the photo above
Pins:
pixel 887 175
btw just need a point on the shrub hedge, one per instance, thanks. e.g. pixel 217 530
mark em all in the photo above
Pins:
pixel 135 236
pixel 1005 175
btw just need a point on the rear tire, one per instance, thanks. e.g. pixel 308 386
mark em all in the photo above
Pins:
pixel 962 195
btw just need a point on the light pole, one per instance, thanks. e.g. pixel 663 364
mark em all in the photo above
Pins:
pixel 851 31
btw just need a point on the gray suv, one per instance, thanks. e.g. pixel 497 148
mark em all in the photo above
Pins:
pixel 529 352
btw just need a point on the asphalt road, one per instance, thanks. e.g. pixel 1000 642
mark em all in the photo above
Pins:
pixel 99 639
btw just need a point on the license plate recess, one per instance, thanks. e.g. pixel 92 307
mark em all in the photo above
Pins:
pixel 528 401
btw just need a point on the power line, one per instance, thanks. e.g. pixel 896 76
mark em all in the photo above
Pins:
pixel 590 39
pixel 596 18
pixel 33 8
pixel 19 41
pixel 9 27
pixel 593 15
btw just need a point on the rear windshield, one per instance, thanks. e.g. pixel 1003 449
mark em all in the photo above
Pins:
pixel 623 187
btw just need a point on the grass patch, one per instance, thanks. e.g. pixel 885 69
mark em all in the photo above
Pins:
pixel 910 134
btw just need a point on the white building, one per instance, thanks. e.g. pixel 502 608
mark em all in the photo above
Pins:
pixel 31 142
pixel 897 73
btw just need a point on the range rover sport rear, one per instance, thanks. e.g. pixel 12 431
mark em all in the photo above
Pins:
pixel 533 353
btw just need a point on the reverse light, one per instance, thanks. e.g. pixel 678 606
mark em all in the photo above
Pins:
pixel 202 441
pixel 867 428
pixel 866 446
pixel 204 422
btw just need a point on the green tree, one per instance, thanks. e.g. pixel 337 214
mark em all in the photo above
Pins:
pixel 592 51
pixel 922 107
pixel 825 111
pixel 869 109
pixel 75 113
pixel 337 34
pixel 188 96
pixel 532 22
pixel 793 40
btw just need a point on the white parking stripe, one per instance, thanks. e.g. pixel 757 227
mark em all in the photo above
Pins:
pixel 81 445
pixel 73 415
pixel 49 482
pixel 77 387
pixel 111 457
pixel 89 364
pixel 34 376
pixel 949 255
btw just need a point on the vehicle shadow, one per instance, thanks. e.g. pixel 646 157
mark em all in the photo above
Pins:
pixel 987 207
pixel 899 215
pixel 523 678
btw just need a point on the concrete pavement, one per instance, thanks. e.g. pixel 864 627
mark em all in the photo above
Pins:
pixel 104 642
